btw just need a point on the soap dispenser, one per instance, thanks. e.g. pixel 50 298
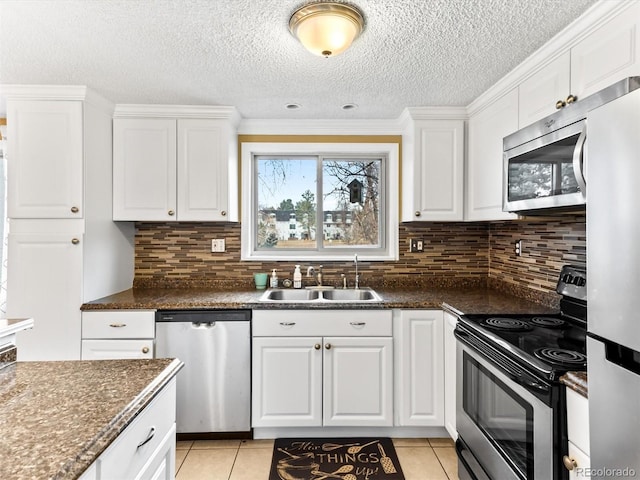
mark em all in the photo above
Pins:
pixel 297 277
pixel 274 279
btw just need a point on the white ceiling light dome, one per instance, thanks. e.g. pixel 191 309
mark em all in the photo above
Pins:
pixel 326 29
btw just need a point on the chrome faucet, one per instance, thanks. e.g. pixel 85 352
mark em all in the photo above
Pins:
pixel 311 272
pixel 357 283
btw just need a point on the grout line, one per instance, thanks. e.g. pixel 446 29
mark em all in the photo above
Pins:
pixel 235 459
pixel 440 462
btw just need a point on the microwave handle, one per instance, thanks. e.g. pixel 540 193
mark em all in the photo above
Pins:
pixel 578 161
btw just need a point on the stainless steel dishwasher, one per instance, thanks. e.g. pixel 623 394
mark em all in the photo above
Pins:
pixel 214 387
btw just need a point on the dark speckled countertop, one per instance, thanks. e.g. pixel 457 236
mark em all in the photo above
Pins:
pixel 576 381
pixel 57 417
pixel 459 300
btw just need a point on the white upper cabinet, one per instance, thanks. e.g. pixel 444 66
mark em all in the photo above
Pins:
pixel 144 169
pixel 433 170
pixel 487 128
pixel 609 54
pixel 45 156
pixel 174 169
pixel 203 159
pixel 539 93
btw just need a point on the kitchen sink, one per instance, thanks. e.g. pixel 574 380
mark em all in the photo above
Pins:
pixel 278 295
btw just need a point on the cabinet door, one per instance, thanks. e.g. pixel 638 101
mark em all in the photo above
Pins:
pixel 116 349
pixel 44 282
pixel 607 55
pixel 487 129
pixel 450 374
pixel 434 182
pixel 45 156
pixel 358 381
pixel 419 368
pixel 144 169
pixel 538 94
pixel 203 170
pixel 287 382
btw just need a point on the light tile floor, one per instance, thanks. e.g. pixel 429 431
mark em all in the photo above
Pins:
pixel 420 458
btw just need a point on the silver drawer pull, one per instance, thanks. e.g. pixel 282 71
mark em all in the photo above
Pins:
pixel 357 324
pixel 117 325
pixel 287 324
pixel 145 349
pixel 152 432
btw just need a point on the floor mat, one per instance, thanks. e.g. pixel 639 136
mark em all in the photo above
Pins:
pixel 335 458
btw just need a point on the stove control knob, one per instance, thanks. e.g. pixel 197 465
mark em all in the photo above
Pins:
pixel 569 463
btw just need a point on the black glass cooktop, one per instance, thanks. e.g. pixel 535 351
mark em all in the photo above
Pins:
pixel 550 343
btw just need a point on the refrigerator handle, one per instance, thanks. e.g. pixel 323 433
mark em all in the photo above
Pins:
pixel 622 356
pixel 578 161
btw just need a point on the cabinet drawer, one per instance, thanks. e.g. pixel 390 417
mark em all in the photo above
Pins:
pixel 116 349
pixel 303 323
pixel 118 324
pixel 129 453
pixel 578 420
pixel 583 463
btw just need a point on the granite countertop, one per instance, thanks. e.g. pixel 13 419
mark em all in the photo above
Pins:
pixel 456 299
pixel 576 381
pixel 56 418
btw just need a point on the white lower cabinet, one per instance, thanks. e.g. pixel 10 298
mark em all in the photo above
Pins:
pixel 115 334
pixel 419 370
pixel 146 449
pixel 450 322
pixel 315 368
pixel 577 461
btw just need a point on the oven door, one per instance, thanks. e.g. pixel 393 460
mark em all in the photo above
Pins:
pixel 507 429
pixel 547 172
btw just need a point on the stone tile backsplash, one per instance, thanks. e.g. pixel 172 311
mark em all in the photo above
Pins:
pixel 454 254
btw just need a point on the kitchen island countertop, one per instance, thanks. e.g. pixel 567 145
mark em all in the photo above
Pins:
pixel 477 300
pixel 56 418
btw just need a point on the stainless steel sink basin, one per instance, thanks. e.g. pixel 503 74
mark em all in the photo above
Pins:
pixel 359 295
pixel 330 296
pixel 290 295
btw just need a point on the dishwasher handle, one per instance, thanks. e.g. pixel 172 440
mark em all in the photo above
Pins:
pixel 203 324
pixel 203 316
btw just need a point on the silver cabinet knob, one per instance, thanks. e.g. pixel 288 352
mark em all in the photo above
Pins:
pixel 560 104
pixel 223 213
pixel 75 209
pixel 317 346
pixel 571 99
pixel 327 346
pixel 75 241
pixel 171 213
pixel 145 349
pixel 417 213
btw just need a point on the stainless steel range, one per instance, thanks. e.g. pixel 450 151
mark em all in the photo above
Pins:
pixel 511 408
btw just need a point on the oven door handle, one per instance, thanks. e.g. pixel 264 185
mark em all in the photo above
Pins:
pixel 518 376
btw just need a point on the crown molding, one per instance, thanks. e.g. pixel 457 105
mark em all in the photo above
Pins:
pixel 596 16
pixel 177 111
pixel 56 92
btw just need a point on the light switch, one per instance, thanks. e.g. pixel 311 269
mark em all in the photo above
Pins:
pixel 217 245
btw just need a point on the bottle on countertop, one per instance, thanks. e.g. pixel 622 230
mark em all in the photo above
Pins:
pixel 274 279
pixel 297 277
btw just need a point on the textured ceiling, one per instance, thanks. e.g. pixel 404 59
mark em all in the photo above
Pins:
pixel 240 52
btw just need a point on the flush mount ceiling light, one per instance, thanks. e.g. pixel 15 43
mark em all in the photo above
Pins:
pixel 326 29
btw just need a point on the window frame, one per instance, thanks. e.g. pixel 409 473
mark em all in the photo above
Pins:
pixel 391 154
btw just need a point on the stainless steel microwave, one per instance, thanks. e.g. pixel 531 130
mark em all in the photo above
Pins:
pixel 545 164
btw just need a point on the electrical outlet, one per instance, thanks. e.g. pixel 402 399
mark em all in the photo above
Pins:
pixel 416 245
pixel 217 245
pixel 518 248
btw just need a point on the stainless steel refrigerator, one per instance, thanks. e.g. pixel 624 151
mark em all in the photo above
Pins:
pixel 613 266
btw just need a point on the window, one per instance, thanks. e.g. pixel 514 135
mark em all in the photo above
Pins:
pixel 319 201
